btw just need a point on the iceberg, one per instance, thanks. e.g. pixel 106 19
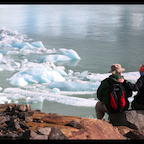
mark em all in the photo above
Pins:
pixel 9 37
pixel 38 74
pixel 5 64
pixel 62 72
pixel 70 53
pixel 51 51
pixel 23 45
pixel 66 55
pixel 34 100
pixel 12 39
pixel 38 44
pixel 74 86
pixel 3 100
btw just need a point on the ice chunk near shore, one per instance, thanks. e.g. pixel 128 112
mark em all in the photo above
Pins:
pixel 68 100
pixel 0 88
pixel 1 58
pixel 4 100
pixel 38 74
pixel 66 55
pixel 34 100
pixel 5 64
pixel 50 66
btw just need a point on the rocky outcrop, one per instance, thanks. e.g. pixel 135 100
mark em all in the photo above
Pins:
pixel 132 119
pixel 131 134
pixel 19 122
pixel 129 123
pixel 135 119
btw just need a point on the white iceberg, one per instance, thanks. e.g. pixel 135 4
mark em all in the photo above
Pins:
pixel 66 55
pixel 12 39
pixel 38 44
pixel 62 72
pixel 74 86
pixel 38 74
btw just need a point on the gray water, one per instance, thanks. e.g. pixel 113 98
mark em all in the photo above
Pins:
pixel 101 34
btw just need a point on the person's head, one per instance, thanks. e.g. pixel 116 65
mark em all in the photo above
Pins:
pixel 141 68
pixel 116 68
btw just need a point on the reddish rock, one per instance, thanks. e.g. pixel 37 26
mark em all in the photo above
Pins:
pixel 131 133
pixel 96 129
pixel 77 128
pixel 92 128
pixel 135 135
pixel 123 129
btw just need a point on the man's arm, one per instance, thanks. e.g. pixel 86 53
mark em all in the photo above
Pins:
pixel 134 87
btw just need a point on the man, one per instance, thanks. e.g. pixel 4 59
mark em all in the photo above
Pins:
pixel 138 102
pixel 103 91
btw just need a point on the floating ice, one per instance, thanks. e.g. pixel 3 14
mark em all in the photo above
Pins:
pixel 62 72
pixel 23 45
pixel 34 100
pixel 12 39
pixel 9 37
pixel 5 64
pixel 51 51
pixel 84 74
pixel 70 53
pixel 90 82
pixel 131 76
pixel 4 100
pixel 50 82
pixel 54 58
pixel 38 74
pixel 66 55
pixel 55 90
pixel 28 46
pixel 74 86
pixel 74 101
pixel 2 60
pixel 38 44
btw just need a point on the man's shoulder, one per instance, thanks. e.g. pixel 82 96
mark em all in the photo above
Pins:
pixel 105 81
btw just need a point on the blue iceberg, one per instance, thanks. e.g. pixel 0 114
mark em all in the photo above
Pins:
pixel 74 86
pixel 66 55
